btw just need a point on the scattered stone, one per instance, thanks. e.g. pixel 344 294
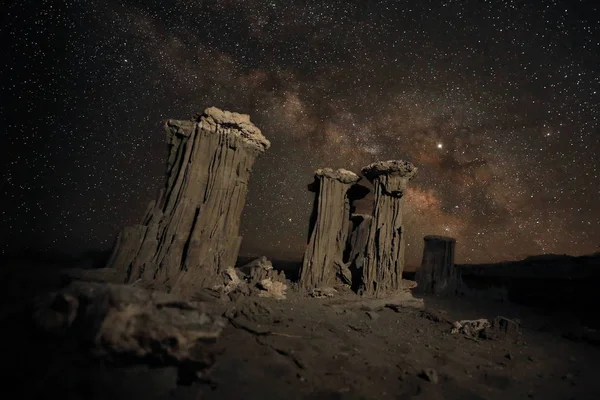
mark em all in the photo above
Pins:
pixel 126 323
pixel 406 284
pixel 323 292
pixel 272 289
pixel 261 279
pixel 257 269
pixel 373 315
pixel 232 281
pixel 502 328
pixel 470 328
pixel 429 374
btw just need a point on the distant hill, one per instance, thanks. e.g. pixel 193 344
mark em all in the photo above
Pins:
pixel 544 266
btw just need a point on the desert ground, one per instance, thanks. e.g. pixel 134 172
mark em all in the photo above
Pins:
pixel 311 348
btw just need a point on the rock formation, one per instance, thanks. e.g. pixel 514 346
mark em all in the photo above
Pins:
pixel 191 233
pixel 438 274
pixel 357 243
pixel 323 260
pixel 384 253
pixel 126 324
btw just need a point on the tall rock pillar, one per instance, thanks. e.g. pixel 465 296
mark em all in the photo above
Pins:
pixel 438 274
pixel 329 226
pixel 384 254
pixel 191 232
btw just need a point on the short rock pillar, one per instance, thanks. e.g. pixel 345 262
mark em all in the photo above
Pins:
pixel 438 274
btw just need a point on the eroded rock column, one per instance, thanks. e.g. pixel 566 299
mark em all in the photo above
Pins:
pixel 330 221
pixel 384 254
pixel 438 274
pixel 191 233
pixel 357 243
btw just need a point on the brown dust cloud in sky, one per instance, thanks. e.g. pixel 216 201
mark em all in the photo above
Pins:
pixel 496 104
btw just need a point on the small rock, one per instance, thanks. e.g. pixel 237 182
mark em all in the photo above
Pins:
pixel 508 356
pixel 502 328
pixel 430 374
pixel 373 315
pixel 568 376
pixel 272 289
pixel 323 292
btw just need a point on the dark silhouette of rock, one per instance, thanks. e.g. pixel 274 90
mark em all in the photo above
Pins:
pixel 191 233
pixel 127 324
pixel 323 263
pixel 502 328
pixel 438 274
pixel 561 283
pixel 384 253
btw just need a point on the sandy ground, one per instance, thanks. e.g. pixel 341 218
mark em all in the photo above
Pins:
pixel 305 348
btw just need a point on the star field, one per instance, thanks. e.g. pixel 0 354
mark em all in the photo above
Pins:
pixel 496 103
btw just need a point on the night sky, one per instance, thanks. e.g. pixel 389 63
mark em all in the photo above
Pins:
pixel 496 102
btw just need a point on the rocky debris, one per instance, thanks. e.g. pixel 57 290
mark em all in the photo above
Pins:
pixel 260 269
pixel 323 292
pixel 406 284
pixel 503 328
pixel 329 225
pixel 273 289
pixel 131 325
pixel 268 281
pixel 438 274
pixel 470 328
pixel 373 315
pixel 191 232
pixel 256 267
pixel 232 280
pixel 430 375
pixel 500 328
pixel 255 278
pixel 381 273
